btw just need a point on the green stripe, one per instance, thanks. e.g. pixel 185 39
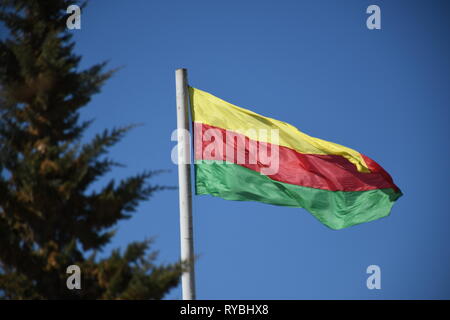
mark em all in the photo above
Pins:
pixel 335 209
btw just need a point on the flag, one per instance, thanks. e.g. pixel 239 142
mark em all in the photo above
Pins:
pixel 241 155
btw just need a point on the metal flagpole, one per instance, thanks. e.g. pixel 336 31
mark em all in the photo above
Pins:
pixel 184 184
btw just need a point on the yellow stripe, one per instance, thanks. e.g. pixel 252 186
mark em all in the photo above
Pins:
pixel 213 111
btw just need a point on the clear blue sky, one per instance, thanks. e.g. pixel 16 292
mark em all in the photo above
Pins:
pixel 314 64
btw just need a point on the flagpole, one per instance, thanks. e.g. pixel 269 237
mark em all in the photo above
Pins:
pixel 184 184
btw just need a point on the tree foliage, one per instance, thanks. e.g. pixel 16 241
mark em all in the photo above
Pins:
pixel 49 216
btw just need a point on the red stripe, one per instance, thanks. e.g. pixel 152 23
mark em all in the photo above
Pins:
pixel 327 172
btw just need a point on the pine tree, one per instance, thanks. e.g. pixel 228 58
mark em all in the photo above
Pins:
pixel 49 219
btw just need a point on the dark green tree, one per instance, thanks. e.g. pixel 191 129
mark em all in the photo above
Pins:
pixel 48 217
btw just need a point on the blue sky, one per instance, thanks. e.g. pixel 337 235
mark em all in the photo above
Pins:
pixel 315 65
